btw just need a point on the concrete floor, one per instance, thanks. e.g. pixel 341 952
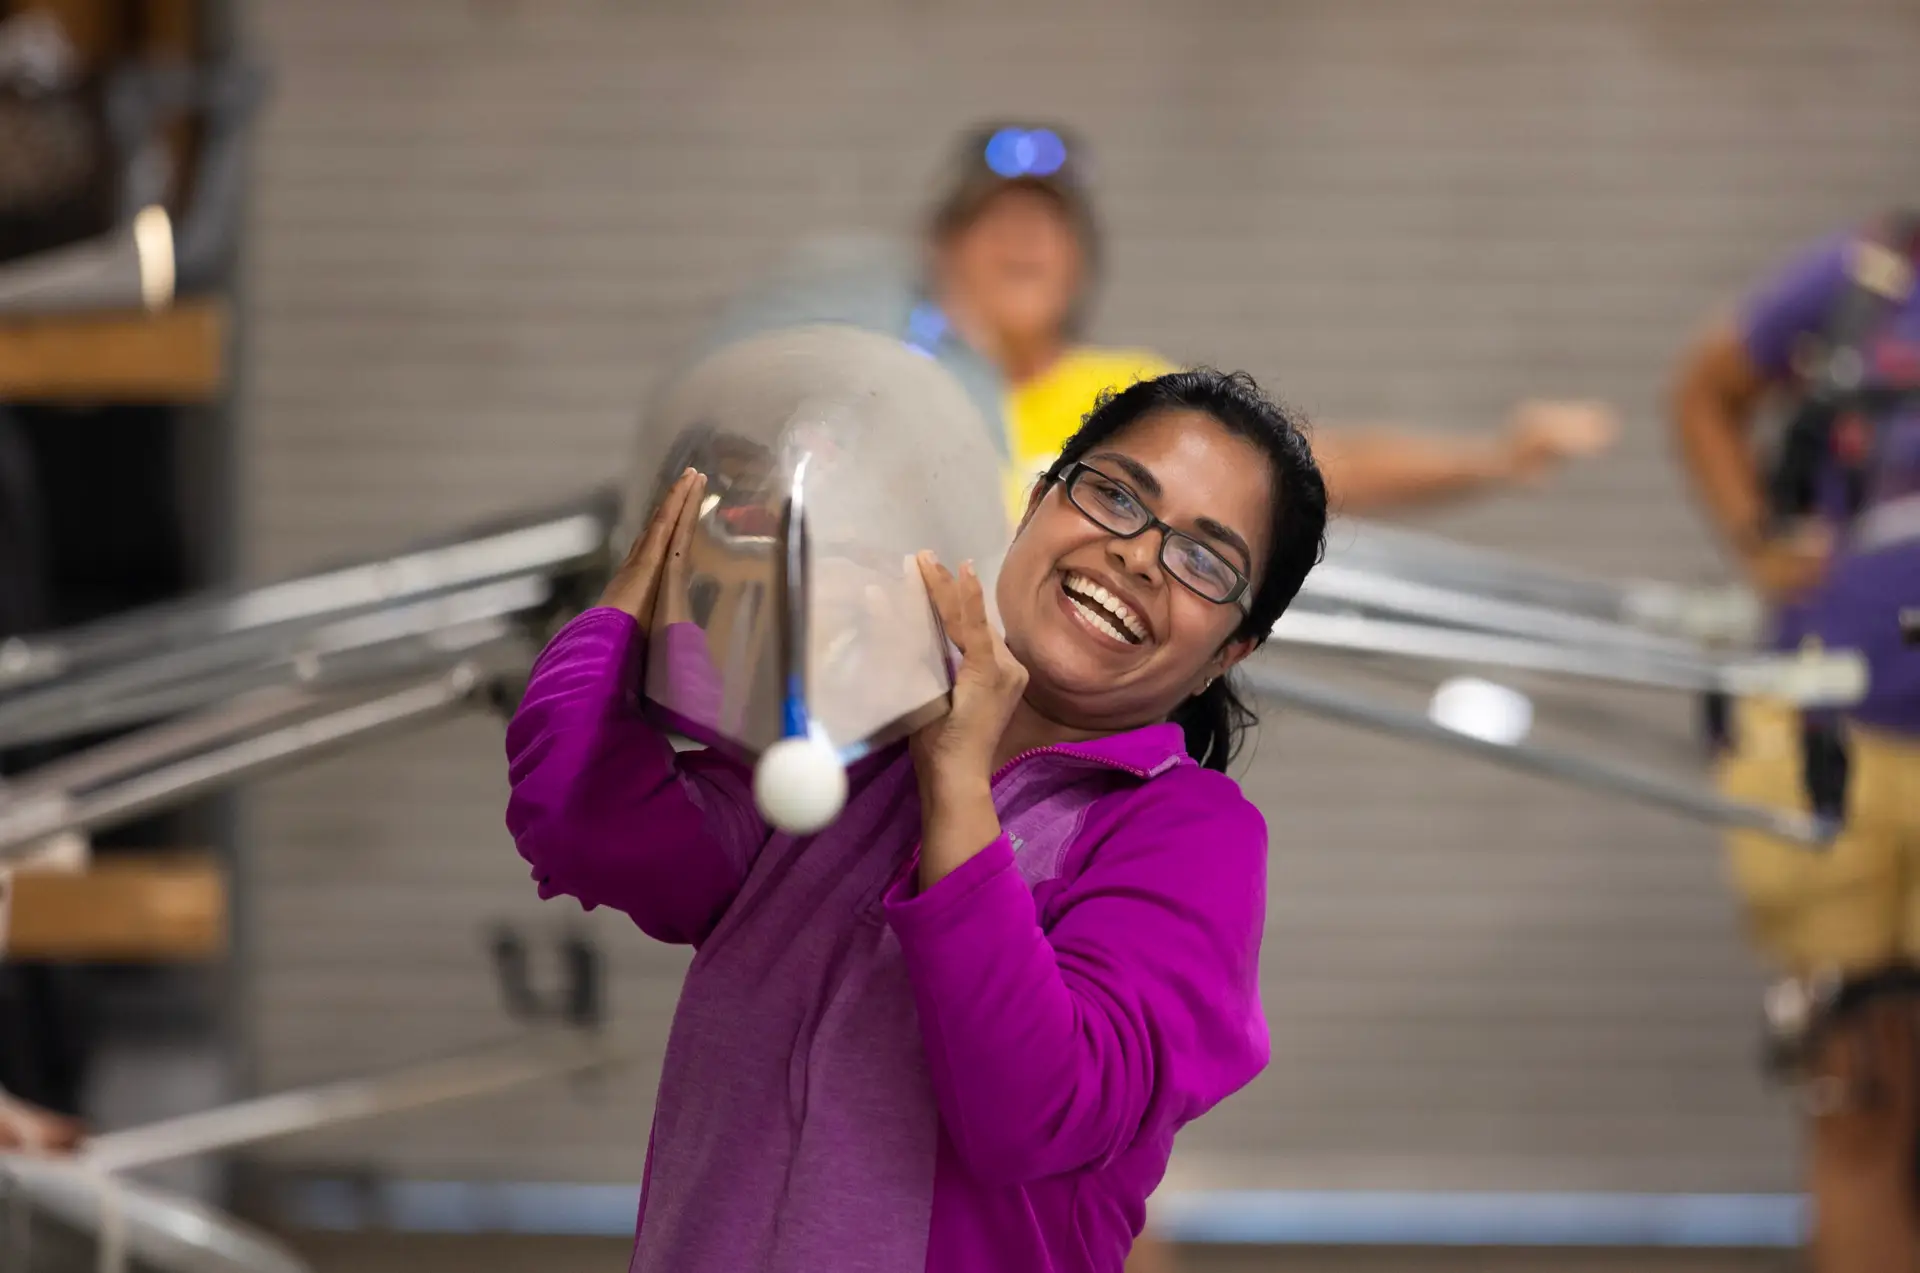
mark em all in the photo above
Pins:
pixel 361 1254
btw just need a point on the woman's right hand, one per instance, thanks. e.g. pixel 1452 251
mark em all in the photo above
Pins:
pixel 658 558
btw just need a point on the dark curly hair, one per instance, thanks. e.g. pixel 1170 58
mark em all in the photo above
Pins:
pixel 1216 720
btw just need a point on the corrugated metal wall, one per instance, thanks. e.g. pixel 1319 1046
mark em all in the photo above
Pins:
pixel 484 227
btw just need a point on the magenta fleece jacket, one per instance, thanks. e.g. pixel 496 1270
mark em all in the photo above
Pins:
pixel 861 1076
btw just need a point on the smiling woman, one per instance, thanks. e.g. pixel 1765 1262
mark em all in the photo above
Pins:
pixel 958 1029
pixel 1157 551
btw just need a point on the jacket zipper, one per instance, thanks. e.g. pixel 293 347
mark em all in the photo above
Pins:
pixel 1064 750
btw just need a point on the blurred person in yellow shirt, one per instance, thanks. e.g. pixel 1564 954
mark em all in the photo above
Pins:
pixel 1014 252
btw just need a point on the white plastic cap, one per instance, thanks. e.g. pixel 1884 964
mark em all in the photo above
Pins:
pixel 800 785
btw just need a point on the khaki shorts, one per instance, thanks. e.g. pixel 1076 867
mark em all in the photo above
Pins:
pixel 1855 904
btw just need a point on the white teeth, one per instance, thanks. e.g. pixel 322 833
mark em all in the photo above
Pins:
pixel 1136 631
pixel 1097 619
pixel 1120 608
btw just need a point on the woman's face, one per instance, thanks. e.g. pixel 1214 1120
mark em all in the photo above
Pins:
pixel 1065 577
pixel 1016 266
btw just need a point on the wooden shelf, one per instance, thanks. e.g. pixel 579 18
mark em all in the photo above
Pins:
pixel 177 355
pixel 150 908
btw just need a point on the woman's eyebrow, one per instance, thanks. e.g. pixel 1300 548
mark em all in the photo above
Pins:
pixel 1141 475
pixel 1226 535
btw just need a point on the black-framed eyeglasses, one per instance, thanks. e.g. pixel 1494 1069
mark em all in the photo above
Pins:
pixel 1113 506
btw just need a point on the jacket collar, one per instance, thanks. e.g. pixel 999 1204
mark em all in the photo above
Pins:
pixel 1148 751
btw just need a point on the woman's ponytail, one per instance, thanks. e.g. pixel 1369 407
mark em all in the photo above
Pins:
pixel 1215 722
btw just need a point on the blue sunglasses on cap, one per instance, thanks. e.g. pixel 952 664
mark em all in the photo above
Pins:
pixel 1025 152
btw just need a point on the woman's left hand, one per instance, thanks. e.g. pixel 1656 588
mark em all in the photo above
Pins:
pixel 953 756
pixel 959 747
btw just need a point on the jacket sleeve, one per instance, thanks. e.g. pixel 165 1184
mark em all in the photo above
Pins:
pixel 602 806
pixel 1136 1011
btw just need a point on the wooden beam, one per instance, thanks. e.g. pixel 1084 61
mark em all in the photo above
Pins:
pixel 163 908
pixel 177 355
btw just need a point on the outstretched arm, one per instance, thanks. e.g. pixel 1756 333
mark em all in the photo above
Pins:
pixel 1372 470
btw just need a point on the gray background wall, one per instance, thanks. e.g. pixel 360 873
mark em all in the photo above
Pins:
pixel 484 227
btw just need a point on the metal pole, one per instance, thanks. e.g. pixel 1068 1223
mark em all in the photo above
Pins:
pixel 158 744
pixel 156 1230
pixel 306 1109
pixel 1703 806
pixel 1717 615
pixel 1375 591
pixel 570 540
pixel 1409 554
pixel 25 823
pixel 1835 678
pixel 386 643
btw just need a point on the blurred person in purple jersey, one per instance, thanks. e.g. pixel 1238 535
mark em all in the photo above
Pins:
pixel 1832 540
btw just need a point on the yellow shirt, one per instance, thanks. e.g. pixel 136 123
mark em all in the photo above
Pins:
pixel 1044 412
